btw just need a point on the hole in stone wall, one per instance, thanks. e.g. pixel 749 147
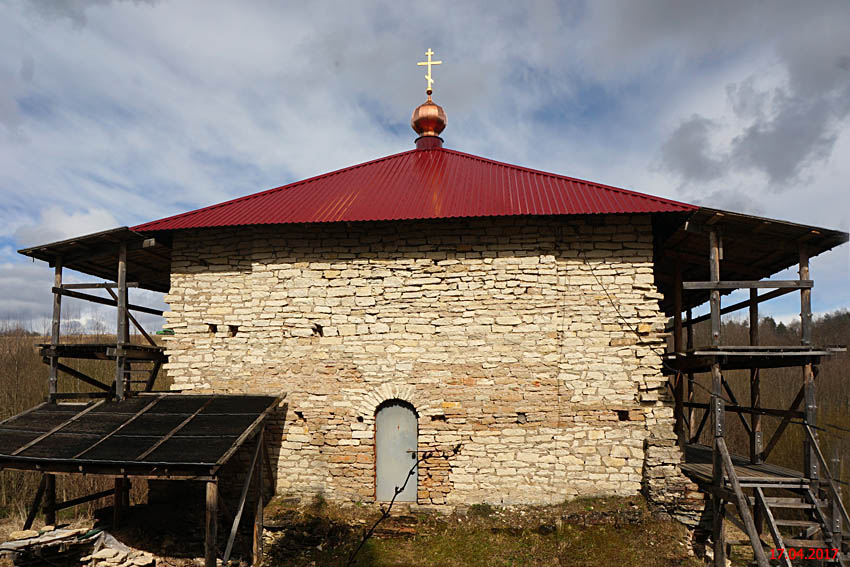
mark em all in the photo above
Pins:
pixel 318 331
pixel 360 419
pixel 300 415
pixel 213 329
pixel 521 417
pixel 438 418
pixel 232 330
pixel 623 415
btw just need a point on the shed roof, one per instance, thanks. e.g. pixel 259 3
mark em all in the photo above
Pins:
pixel 152 434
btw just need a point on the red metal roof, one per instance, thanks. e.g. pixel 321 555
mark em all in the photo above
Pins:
pixel 421 184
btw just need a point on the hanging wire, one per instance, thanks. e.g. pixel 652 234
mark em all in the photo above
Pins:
pixel 661 354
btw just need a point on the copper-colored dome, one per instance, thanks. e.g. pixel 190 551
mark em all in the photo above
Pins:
pixel 428 119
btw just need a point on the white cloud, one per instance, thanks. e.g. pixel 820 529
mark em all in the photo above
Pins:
pixel 116 113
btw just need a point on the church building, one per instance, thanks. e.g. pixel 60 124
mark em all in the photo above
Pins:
pixel 505 327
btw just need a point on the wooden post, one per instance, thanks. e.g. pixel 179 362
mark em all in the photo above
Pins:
pixel 258 514
pixel 689 345
pixel 678 386
pixel 36 502
pixel 718 410
pixel 117 502
pixel 50 500
pixel 810 461
pixel 755 384
pixel 755 402
pixel 836 527
pixel 121 327
pixel 211 523
pixel 714 267
pixel 53 381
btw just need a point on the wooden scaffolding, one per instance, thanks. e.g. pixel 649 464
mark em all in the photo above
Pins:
pixel 124 430
pixel 764 501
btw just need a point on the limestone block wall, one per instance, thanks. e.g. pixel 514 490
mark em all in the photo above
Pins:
pixel 530 342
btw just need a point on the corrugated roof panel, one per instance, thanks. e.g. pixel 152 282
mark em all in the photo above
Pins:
pixel 421 184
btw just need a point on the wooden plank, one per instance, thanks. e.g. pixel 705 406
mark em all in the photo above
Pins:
pixel 743 505
pixel 744 284
pixel 43 436
pixel 242 497
pixel 171 433
pixel 211 524
pixel 105 301
pixel 133 418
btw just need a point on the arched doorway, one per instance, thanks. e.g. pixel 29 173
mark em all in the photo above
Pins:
pixel 396 431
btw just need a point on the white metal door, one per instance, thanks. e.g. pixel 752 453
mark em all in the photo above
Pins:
pixel 395 447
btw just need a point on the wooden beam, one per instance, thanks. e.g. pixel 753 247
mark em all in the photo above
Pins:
pixel 246 434
pixel 771 524
pixel 714 270
pixel 82 377
pixel 734 401
pixel 257 547
pixel 678 390
pixel 122 385
pixel 36 502
pixel 761 411
pixel 134 321
pixel 53 430
pixel 744 284
pixel 134 417
pixel 83 499
pixel 734 307
pixel 171 433
pixel 105 301
pixel 50 500
pixel 743 505
pixel 105 285
pixel 211 524
pixel 241 507
pixel 53 379
pixel 792 412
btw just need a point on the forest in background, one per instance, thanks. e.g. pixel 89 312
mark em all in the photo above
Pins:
pixel 23 384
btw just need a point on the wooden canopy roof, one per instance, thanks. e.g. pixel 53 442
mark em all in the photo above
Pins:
pixel 752 248
pixel 148 259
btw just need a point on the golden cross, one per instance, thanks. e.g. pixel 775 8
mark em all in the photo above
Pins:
pixel 428 78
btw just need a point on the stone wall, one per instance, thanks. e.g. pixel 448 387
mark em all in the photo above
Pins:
pixel 530 342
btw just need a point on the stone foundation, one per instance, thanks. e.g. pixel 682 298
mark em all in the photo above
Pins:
pixel 531 342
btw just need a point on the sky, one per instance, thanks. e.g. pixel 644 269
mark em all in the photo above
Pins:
pixel 113 113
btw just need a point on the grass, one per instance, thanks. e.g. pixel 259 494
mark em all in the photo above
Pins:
pixel 617 531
